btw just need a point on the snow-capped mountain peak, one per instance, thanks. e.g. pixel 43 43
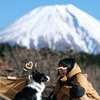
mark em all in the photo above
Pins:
pixel 56 27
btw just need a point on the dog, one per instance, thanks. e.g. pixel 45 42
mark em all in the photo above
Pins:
pixel 34 89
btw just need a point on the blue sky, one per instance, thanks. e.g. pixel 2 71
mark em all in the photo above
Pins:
pixel 11 10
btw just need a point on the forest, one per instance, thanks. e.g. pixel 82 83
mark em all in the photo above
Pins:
pixel 47 60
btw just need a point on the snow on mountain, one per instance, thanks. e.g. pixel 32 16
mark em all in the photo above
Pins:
pixel 58 27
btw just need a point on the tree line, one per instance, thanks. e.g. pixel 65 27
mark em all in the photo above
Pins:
pixel 47 59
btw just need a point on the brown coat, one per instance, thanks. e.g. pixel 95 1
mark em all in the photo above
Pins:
pixel 79 79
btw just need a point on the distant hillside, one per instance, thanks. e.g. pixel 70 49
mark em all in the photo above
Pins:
pixel 47 60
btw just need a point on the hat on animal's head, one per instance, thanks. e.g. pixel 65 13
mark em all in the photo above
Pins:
pixel 66 63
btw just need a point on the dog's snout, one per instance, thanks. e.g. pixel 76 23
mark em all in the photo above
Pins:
pixel 48 78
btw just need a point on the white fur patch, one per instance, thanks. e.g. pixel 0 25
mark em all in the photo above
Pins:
pixel 38 86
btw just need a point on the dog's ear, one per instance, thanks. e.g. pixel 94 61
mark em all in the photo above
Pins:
pixel 35 72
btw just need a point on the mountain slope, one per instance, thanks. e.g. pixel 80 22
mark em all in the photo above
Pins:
pixel 57 27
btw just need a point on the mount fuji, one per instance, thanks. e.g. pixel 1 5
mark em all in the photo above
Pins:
pixel 56 27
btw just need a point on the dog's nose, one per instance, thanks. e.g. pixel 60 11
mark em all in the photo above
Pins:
pixel 48 78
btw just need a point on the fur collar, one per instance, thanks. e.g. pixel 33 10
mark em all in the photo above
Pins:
pixel 38 86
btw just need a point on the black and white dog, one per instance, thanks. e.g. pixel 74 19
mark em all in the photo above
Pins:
pixel 34 89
